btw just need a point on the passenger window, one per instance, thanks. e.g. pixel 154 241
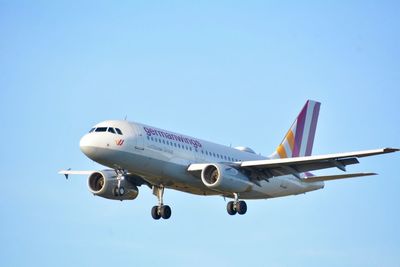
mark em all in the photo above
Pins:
pixel 111 130
pixel 118 131
pixel 175 144
pixel 101 129
pixel 163 141
pixel 91 130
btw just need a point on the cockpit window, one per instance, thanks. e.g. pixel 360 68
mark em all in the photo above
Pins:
pixel 111 130
pixel 91 130
pixel 101 129
pixel 118 131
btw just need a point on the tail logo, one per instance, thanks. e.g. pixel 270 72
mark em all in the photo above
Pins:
pixel 299 139
pixel 119 142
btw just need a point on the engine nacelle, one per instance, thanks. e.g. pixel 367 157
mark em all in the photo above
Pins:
pixel 103 184
pixel 225 178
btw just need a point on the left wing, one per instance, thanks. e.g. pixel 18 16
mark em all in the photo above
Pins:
pixel 68 172
pixel 268 168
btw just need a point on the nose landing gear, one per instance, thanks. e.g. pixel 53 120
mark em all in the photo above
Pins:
pixel 119 190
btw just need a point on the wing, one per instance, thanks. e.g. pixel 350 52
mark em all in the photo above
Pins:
pixel 69 172
pixel 268 168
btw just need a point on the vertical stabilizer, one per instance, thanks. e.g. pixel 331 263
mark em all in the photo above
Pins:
pixel 299 140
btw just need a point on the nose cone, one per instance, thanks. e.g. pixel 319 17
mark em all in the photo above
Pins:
pixel 87 146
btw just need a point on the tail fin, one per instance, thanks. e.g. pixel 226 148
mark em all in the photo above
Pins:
pixel 299 139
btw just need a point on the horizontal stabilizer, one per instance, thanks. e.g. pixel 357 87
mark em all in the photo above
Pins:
pixel 335 177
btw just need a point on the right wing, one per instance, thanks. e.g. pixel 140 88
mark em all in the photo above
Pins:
pixel 268 168
pixel 295 166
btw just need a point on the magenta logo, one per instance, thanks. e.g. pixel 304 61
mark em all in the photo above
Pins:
pixel 171 136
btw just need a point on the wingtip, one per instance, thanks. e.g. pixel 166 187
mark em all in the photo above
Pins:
pixel 390 149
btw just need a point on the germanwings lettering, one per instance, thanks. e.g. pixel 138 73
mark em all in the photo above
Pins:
pixel 179 138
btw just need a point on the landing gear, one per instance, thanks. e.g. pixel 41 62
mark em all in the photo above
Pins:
pixel 160 211
pixel 236 206
pixel 119 190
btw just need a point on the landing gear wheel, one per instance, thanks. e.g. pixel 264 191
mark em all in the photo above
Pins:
pixel 121 191
pixel 154 213
pixel 115 191
pixel 241 207
pixel 230 208
pixel 165 212
pixel 118 191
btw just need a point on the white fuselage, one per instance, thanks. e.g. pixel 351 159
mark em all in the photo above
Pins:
pixel 162 157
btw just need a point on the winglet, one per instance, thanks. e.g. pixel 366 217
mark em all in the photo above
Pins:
pixel 390 149
pixel 66 173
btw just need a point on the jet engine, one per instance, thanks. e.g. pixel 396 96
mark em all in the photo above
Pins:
pixel 105 184
pixel 225 178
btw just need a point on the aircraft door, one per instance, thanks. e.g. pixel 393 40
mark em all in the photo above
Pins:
pixel 139 137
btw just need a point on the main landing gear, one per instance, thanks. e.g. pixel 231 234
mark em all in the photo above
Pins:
pixel 236 206
pixel 160 211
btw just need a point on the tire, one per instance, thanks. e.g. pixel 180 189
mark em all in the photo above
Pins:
pixel 154 213
pixel 115 191
pixel 165 212
pixel 230 208
pixel 241 207
pixel 121 191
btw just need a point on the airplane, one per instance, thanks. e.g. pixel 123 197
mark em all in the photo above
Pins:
pixel 137 154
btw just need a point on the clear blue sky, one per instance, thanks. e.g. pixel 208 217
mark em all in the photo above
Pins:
pixel 234 72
